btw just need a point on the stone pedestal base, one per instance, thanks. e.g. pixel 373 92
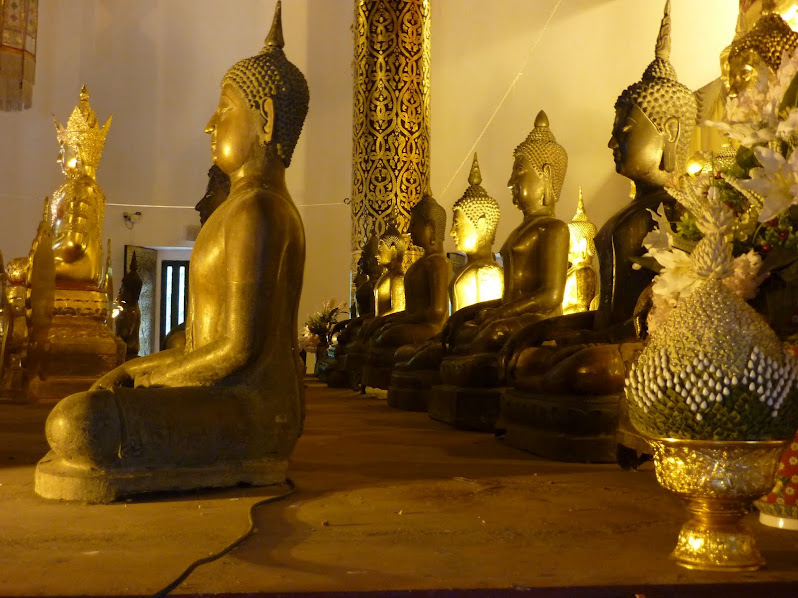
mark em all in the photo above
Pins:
pixel 575 428
pixel 466 408
pixel 378 368
pixel 57 480
pixel 410 390
pixel 325 365
pixel 352 366
pixel 80 350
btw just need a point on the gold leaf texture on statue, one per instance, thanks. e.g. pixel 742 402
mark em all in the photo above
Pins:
pixel 83 131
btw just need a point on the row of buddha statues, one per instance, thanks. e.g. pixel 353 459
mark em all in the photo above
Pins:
pixel 224 405
pixel 545 372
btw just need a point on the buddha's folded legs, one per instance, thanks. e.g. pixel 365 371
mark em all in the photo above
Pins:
pixel 575 369
pixel 170 427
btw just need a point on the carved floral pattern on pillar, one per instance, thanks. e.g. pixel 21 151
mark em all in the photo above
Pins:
pixel 18 26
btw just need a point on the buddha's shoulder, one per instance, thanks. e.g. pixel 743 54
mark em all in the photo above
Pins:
pixel 543 224
pixel 261 201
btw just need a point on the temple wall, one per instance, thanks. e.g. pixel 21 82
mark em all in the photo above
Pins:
pixel 157 66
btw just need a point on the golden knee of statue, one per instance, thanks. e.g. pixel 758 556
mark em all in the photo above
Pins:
pixel 565 376
pixel 426 285
pixel 228 408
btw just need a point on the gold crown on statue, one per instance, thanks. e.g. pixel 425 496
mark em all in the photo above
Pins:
pixel 83 131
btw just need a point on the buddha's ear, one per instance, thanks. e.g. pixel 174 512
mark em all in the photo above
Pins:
pixel 548 193
pixel 267 112
pixel 671 133
pixel 482 225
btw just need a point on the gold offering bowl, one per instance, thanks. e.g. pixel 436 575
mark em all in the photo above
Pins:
pixel 720 480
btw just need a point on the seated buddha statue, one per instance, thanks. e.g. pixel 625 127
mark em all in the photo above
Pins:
pixel 81 346
pixel 216 191
pixel 580 280
pixel 128 319
pixel 535 258
pixel 426 285
pixel 476 216
pixel 330 367
pixel 229 407
pixel 654 119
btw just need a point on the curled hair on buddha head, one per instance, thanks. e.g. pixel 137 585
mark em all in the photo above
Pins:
pixel 431 211
pixel 392 237
pixel 660 95
pixel 769 38
pixel 218 179
pixel 271 76
pixel 541 148
pixel 476 203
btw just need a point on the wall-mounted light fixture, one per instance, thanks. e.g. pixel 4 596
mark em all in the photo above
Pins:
pixel 131 219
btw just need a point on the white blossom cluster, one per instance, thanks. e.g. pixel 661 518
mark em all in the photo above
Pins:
pixel 701 383
pixel 712 346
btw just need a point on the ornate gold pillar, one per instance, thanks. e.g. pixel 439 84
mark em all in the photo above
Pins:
pixel 391 132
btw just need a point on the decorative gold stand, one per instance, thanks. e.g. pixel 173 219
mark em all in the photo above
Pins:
pixel 719 480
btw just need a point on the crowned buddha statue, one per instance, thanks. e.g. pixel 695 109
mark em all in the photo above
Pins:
pixel 128 318
pixel 475 218
pixel 581 280
pixel 563 403
pixel 82 347
pixel 228 408
pixel 426 286
pixel 535 258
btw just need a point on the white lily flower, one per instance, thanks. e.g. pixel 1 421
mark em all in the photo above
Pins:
pixel 776 181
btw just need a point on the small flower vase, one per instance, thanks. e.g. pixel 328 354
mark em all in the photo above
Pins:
pixel 719 480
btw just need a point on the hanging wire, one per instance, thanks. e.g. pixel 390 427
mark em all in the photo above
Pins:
pixel 469 154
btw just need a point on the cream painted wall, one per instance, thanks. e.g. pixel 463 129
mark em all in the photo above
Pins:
pixel 157 65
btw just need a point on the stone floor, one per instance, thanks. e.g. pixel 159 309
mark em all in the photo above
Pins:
pixel 386 501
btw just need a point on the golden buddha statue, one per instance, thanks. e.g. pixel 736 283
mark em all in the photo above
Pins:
pixel 228 409
pixel 476 216
pixel 758 52
pixel 26 313
pixel 581 280
pixel 81 347
pixel 77 208
pixel 654 119
pixel 426 285
pixel 128 318
pixel 535 257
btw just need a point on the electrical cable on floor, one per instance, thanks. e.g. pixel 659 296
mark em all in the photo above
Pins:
pixel 217 555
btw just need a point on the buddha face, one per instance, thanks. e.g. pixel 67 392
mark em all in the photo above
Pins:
pixel 637 146
pixel 213 198
pixel 527 186
pixel 237 131
pixel 464 233
pixel 746 71
pixel 385 253
pixel 69 159
pixel 422 232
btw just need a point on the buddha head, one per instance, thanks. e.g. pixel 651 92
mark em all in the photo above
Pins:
pixel 539 165
pixel 428 223
pixel 262 106
pixel 582 247
pixel 654 121
pixel 757 54
pixel 82 140
pixel 391 248
pixel 368 263
pixel 476 216
pixel 215 193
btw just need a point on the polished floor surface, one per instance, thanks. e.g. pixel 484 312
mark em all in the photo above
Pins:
pixel 385 502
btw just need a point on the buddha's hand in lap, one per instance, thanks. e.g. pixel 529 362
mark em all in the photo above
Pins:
pixel 486 315
pixel 119 376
